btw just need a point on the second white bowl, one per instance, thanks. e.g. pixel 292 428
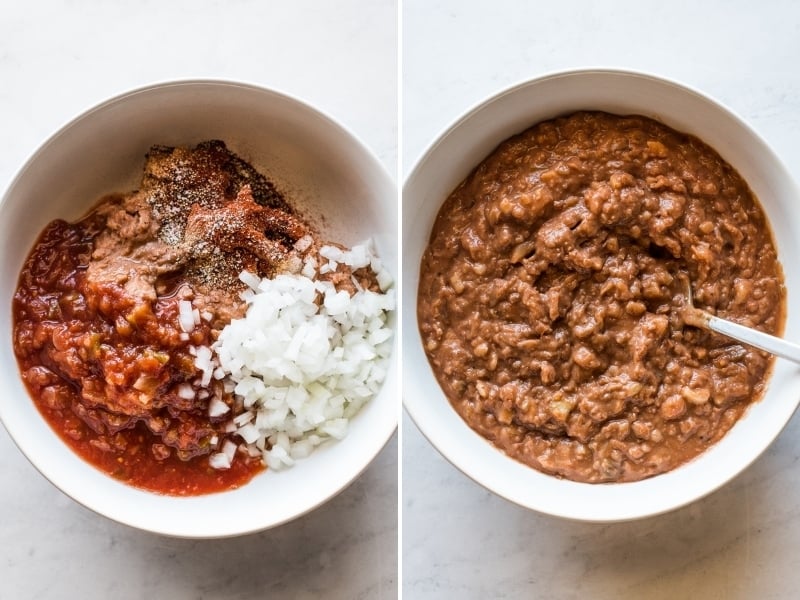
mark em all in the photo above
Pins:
pixel 463 146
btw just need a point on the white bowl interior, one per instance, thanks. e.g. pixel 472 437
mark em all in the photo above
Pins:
pixel 450 159
pixel 324 170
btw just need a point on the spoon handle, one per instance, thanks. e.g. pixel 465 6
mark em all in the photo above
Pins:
pixel 754 337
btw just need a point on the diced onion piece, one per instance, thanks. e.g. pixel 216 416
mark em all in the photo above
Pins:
pixel 249 433
pixel 249 279
pixel 186 391
pixel 332 253
pixel 229 449
pixel 384 279
pixel 219 461
pixel 217 408
pixel 304 243
pixel 185 316
pixel 243 418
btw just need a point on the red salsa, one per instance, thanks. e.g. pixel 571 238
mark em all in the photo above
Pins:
pixel 114 376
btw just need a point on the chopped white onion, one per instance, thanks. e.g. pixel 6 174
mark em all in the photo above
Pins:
pixel 186 391
pixel 304 243
pixel 305 357
pixel 220 461
pixel 185 316
pixel 217 408
pixel 229 449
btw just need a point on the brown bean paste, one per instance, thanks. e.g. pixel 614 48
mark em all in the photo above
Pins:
pixel 551 295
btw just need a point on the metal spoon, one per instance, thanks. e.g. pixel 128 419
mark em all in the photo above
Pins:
pixel 753 337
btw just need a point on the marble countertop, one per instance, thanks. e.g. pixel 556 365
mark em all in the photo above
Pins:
pixel 461 541
pixel 60 57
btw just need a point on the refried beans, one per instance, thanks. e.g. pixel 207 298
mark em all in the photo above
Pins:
pixel 551 295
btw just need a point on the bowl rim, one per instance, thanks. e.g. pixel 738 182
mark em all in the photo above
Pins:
pixel 380 172
pixel 413 406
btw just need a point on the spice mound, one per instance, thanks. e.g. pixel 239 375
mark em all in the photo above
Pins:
pixel 551 295
pixel 119 319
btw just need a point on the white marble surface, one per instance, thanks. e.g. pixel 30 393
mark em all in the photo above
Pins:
pixel 58 58
pixel 459 540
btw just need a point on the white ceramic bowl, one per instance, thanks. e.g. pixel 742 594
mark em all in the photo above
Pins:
pixel 323 169
pixel 449 160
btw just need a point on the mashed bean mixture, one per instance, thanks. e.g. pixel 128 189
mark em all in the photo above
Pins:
pixel 551 293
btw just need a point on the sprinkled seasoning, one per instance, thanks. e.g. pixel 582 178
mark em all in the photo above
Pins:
pixel 220 212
